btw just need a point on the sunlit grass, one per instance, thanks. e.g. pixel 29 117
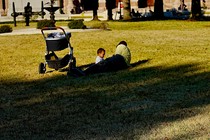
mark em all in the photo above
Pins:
pixel 166 97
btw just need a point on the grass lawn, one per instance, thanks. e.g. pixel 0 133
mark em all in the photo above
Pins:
pixel 165 96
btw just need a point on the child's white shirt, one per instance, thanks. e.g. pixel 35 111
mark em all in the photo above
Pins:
pixel 98 59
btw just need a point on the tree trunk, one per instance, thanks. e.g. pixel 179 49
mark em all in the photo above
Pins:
pixel 110 4
pixel 61 7
pixel 95 8
pixel 158 9
pixel 196 9
pixel 109 14
pixel 95 15
pixel 126 10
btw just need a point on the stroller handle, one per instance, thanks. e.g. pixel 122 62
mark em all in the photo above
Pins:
pixel 52 28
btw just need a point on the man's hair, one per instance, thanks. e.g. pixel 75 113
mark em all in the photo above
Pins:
pixel 100 50
pixel 123 43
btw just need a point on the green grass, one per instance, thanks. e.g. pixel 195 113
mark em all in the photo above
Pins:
pixel 165 96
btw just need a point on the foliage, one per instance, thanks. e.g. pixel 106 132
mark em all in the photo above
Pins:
pixel 76 24
pixel 5 29
pixel 98 25
pixel 45 23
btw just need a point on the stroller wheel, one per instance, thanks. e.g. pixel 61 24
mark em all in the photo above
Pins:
pixel 73 63
pixel 42 68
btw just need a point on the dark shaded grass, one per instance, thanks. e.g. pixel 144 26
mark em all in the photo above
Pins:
pixel 102 106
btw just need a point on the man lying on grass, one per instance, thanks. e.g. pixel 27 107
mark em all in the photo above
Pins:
pixel 119 61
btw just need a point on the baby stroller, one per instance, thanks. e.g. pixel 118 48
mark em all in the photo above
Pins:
pixel 57 41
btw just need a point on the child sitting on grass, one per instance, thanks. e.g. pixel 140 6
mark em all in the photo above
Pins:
pixel 100 55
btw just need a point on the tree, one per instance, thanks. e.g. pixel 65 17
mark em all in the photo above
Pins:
pixel 127 10
pixel 61 7
pixel 91 5
pixel 196 9
pixel 95 8
pixel 158 9
pixel 110 4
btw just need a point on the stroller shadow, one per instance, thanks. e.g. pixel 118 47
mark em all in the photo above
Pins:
pixel 85 66
pixel 60 70
pixel 49 71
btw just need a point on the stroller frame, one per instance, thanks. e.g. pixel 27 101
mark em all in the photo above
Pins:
pixel 54 44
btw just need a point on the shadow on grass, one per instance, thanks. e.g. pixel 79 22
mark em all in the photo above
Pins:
pixel 112 105
pixel 133 64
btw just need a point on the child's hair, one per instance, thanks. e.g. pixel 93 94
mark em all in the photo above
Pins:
pixel 100 50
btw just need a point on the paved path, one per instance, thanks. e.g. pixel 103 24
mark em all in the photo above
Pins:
pixel 38 31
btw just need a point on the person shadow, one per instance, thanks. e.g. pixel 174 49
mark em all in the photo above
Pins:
pixel 132 64
pixel 139 62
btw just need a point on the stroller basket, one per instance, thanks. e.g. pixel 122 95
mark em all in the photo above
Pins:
pixel 57 63
pixel 57 43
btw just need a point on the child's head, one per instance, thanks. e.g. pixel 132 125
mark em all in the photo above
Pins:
pixel 101 52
